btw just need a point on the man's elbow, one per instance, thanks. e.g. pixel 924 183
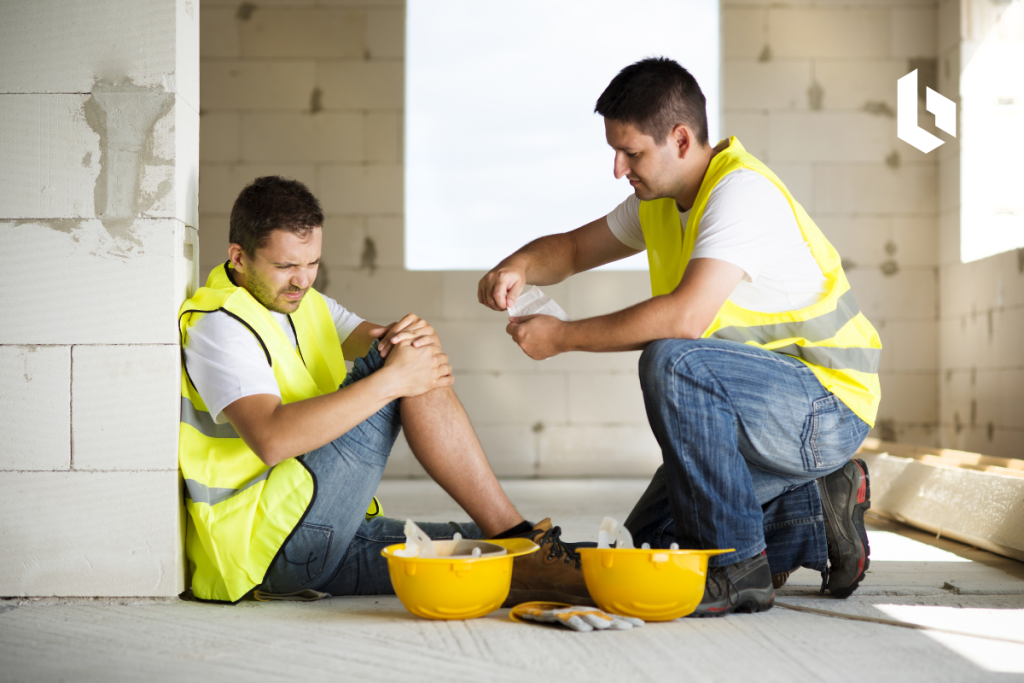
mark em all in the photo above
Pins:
pixel 266 449
pixel 688 328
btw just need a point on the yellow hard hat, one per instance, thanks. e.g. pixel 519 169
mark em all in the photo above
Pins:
pixel 653 585
pixel 455 587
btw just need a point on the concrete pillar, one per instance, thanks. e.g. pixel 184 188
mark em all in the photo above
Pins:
pixel 99 155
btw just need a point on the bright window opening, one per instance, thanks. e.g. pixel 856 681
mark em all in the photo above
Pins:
pixel 502 143
pixel 992 137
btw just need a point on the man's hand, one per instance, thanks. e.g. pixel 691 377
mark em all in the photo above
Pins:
pixel 500 287
pixel 411 329
pixel 550 260
pixel 539 336
pixel 417 370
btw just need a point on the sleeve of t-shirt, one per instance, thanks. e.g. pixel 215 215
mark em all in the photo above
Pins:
pixel 624 221
pixel 226 362
pixel 741 222
pixel 345 321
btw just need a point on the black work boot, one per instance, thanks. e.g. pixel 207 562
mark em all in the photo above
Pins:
pixel 845 496
pixel 745 586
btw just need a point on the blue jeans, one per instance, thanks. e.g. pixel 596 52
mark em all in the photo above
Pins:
pixel 744 433
pixel 334 549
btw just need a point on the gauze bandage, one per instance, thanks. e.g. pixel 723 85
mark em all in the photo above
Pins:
pixel 532 301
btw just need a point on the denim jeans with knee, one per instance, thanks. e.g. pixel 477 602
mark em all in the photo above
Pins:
pixel 744 433
pixel 335 549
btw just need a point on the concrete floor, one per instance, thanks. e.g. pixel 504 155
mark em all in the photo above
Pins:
pixel 914 578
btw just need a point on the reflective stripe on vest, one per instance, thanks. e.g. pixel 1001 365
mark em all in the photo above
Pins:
pixel 832 337
pixel 203 422
pixel 200 493
pixel 817 329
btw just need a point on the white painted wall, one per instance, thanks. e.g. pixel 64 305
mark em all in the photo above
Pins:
pixel 99 126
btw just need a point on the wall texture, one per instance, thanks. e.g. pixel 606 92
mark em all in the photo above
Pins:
pixel 99 127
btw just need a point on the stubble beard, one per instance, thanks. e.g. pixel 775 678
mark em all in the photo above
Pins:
pixel 262 292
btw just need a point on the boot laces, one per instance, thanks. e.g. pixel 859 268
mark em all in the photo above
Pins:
pixel 720 584
pixel 558 548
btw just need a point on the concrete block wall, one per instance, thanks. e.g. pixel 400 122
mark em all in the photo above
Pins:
pixel 315 91
pixel 981 323
pixel 810 89
pixel 99 125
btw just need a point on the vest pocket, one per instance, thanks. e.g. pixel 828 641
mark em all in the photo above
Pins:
pixel 830 435
pixel 301 560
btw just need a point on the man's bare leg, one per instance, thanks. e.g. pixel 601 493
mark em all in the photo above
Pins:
pixel 443 440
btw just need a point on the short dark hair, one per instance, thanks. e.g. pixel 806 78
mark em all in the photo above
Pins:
pixel 655 95
pixel 272 203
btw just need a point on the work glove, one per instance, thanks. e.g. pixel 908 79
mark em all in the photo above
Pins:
pixel 575 617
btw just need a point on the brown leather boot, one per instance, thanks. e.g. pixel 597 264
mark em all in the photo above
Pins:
pixel 552 574
pixel 779 580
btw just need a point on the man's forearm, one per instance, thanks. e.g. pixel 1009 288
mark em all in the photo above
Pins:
pixel 546 260
pixel 633 328
pixel 290 430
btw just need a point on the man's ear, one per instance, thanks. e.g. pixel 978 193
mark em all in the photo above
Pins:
pixel 236 256
pixel 682 139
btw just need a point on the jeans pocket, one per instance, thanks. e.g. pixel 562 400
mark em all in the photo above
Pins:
pixel 832 434
pixel 302 559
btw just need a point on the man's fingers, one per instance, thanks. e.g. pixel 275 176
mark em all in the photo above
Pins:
pixel 513 292
pixel 413 335
pixel 378 332
pixel 410 330
pixel 404 322
pixel 426 340
pixel 498 298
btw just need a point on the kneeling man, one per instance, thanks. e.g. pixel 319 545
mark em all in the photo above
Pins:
pixel 759 372
pixel 282 450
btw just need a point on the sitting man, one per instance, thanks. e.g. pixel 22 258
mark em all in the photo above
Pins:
pixel 759 372
pixel 282 450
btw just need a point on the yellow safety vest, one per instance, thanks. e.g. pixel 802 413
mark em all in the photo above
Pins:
pixel 240 512
pixel 832 337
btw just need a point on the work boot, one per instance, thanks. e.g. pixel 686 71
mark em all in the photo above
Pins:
pixel 744 586
pixel 845 496
pixel 552 574
pixel 779 580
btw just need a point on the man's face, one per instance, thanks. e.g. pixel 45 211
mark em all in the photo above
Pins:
pixel 281 273
pixel 652 170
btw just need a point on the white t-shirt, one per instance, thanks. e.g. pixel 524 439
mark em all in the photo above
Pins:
pixel 226 362
pixel 747 222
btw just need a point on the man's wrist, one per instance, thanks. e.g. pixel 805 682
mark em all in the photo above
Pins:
pixel 516 262
pixel 567 337
pixel 386 385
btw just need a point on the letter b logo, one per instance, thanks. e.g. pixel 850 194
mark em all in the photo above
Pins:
pixel 906 114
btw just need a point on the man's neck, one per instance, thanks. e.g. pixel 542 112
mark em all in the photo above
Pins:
pixel 695 177
pixel 237 277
